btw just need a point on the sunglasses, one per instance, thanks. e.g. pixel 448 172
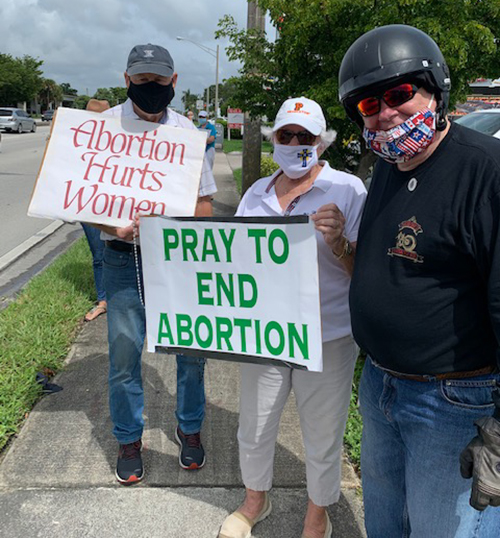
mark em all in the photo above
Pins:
pixel 305 138
pixel 393 97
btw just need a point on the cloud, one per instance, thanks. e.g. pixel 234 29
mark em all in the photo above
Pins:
pixel 86 43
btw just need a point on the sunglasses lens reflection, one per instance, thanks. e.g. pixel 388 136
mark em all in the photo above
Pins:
pixel 393 97
pixel 399 95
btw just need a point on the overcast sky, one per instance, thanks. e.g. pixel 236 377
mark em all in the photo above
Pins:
pixel 86 42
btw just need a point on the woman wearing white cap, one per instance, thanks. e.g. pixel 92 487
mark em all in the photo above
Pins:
pixel 303 185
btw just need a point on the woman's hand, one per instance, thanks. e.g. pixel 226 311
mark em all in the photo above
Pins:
pixel 330 221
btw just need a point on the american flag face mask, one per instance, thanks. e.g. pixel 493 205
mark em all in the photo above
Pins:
pixel 403 142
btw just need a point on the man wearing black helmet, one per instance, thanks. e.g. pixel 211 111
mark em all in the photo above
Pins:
pixel 425 296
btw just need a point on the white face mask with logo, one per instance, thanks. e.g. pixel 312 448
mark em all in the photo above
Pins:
pixel 295 161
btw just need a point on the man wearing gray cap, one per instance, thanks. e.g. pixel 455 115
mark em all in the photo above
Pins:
pixel 150 79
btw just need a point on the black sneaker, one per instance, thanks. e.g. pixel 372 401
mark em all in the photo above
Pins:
pixel 129 469
pixel 191 454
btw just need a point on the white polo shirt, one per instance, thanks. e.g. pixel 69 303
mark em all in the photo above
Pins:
pixel 331 186
pixel 172 118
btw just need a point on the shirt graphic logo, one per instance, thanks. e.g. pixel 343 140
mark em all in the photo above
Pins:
pixel 407 241
pixel 148 54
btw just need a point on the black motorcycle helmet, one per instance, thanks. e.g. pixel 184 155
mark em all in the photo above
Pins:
pixel 383 57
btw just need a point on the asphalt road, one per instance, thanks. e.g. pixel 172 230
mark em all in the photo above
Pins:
pixel 20 159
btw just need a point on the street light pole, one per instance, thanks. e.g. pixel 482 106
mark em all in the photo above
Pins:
pixel 217 84
pixel 215 54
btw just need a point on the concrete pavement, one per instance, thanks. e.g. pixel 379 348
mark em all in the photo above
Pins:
pixel 57 478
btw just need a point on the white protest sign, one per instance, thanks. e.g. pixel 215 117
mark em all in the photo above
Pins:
pixel 102 169
pixel 239 288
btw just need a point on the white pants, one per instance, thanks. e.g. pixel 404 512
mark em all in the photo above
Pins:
pixel 322 403
pixel 210 155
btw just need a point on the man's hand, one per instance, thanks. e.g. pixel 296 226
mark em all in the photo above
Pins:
pixel 330 221
pixel 481 461
pixel 94 105
pixel 203 207
pixel 125 233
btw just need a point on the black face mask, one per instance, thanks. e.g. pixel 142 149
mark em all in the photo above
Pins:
pixel 151 97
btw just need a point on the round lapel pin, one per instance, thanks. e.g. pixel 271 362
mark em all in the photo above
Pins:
pixel 412 184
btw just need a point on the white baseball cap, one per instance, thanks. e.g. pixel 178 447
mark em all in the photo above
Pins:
pixel 202 114
pixel 301 111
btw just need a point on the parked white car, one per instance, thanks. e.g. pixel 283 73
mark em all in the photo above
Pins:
pixel 16 120
pixel 484 121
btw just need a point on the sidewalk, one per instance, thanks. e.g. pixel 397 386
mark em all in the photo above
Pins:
pixel 57 478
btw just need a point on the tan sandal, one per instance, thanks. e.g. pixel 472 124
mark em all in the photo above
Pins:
pixel 328 530
pixel 236 525
pixel 95 312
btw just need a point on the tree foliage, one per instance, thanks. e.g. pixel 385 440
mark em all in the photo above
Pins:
pixel 81 102
pixel 114 96
pixel 50 92
pixel 189 100
pixel 228 90
pixel 313 36
pixel 20 79
pixel 67 89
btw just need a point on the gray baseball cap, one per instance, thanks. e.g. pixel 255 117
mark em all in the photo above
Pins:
pixel 150 59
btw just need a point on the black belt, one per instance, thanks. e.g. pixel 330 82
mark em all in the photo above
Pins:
pixel 120 246
pixel 432 377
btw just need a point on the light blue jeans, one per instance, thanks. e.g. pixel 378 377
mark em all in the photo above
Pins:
pixel 126 333
pixel 413 433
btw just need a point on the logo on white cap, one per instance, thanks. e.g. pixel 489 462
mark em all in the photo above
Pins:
pixel 148 54
pixel 298 108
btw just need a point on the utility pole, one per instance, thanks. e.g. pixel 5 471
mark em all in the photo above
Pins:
pixel 252 137
pixel 217 84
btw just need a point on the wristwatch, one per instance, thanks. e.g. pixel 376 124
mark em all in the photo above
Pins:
pixel 346 251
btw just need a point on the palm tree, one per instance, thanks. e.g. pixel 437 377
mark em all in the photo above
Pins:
pixel 189 100
pixel 51 92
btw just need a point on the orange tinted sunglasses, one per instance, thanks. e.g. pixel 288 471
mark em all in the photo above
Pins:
pixel 393 97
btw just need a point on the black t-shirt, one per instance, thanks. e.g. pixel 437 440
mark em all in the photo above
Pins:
pixel 425 294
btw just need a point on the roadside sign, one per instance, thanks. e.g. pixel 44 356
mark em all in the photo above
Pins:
pixel 200 105
pixel 235 118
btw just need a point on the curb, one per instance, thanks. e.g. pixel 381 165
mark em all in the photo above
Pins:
pixel 21 249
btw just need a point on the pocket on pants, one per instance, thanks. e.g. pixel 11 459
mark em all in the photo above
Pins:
pixel 469 393
pixel 116 259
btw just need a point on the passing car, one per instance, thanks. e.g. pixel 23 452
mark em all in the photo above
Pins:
pixel 48 115
pixel 484 121
pixel 16 119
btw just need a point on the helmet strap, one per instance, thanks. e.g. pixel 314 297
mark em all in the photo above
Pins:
pixel 441 122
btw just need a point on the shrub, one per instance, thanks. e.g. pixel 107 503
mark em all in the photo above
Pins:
pixel 267 166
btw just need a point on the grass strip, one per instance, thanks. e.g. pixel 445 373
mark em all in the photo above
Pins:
pixel 37 330
pixel 237 174
pixel 352 435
